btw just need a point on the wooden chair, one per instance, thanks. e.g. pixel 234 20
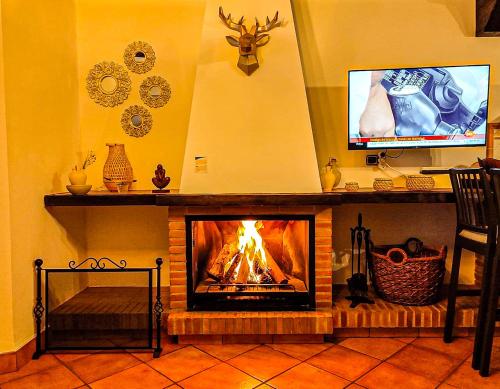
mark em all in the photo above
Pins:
pixel 489 312
pixel 476 231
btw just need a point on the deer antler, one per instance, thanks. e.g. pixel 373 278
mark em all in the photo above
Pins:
pixel 229 22
pixel 270 24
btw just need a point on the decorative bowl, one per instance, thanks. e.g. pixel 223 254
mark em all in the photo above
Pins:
pixel 122 187
pixel 383 184
pixel 420 182
pixel 78 190
pixel 351 186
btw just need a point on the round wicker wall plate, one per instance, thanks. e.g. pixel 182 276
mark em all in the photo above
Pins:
pixel 108 84
pixel 155 91
pixel 139 57
pixel 136 121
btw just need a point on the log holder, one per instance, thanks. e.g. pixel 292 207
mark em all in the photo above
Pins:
pixel 95 265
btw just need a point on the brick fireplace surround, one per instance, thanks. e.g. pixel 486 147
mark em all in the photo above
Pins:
pixel 189 325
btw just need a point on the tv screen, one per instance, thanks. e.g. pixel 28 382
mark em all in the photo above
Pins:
pixel 418 107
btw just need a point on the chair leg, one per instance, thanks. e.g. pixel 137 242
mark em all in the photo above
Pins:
pixel 486 282
pixel 452 294
pixel 490 319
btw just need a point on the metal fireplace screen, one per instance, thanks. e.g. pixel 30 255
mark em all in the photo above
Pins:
pixel 104 305
pixel 255 262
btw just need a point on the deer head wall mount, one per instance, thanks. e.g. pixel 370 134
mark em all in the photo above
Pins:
pixel 248 41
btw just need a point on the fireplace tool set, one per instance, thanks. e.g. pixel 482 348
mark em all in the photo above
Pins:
pixel 358 283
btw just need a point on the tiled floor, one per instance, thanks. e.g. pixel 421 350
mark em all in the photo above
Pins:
pixel 349 362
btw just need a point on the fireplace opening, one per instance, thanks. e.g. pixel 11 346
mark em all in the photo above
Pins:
pixel 256 262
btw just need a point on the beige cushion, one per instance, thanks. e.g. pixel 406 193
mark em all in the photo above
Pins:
pixel 475 236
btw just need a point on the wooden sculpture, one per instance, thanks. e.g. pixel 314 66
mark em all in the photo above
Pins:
pixel 160 180
pixel 248 41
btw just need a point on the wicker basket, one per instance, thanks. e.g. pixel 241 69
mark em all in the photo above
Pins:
pixel 383 184
pixel 420 182
pixel 408 277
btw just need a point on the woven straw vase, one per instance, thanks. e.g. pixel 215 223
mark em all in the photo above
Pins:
pixel 117 167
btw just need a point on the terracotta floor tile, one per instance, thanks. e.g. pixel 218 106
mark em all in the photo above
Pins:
pixel 425 362
pixel 45 362
pixel 225 351
pixel 460 348
pixel 220 376
pixel 57 377
pixel 355 386
pixel 68 357
pixel 97 366
pixel 405 340
pixel 446 386
pixel 380 348
pixel 467 378
pixel 137 377
pixel 183 363
pixel 301 351
pixel 263 362
pixel 166 348
pixel 343 362
pixel 307 376
pixel 386 375
pixel 8 363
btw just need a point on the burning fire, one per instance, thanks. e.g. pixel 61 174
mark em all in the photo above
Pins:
pixel 251 246
pixel 253 265
pixel 246 260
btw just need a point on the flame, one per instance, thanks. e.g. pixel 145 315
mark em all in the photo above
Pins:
pixel 251 245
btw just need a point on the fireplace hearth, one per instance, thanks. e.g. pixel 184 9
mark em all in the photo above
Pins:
pixel 258 262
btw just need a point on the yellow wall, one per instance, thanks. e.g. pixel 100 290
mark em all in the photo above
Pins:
pixel 41 99
pixel 338 35
pixel 7 322
pixel 173 28
pixel 104 29
pixel 334 36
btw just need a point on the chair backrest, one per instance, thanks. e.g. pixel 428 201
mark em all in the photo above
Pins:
pixel 474 200
pixel 495 184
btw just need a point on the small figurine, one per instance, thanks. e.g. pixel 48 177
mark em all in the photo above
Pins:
pixel 160 180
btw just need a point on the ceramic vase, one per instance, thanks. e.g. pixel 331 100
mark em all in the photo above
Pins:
pixel 117 168
pixel 77 177
pixel 331 175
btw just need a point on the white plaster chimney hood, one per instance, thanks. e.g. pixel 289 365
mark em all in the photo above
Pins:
pixel 249 134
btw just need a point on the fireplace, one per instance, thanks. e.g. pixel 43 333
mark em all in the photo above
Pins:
pixel 257 262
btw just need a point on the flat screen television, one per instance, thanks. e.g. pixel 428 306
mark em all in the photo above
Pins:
pixel 418 107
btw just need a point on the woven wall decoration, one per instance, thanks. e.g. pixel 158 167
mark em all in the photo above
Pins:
pixel 139 57
pixel 136 121
pixel 108 84
pixel 155 91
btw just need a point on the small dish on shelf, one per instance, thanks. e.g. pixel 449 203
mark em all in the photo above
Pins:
pixel 78 190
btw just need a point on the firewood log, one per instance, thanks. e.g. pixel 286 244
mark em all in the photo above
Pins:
pixel 216 271
pixel 243 272
pixel 235 261
pixel 275 271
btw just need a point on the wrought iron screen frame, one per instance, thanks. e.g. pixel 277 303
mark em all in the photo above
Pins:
pixel 98 266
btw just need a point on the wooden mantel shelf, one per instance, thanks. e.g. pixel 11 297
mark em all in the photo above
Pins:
pixel 337 197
